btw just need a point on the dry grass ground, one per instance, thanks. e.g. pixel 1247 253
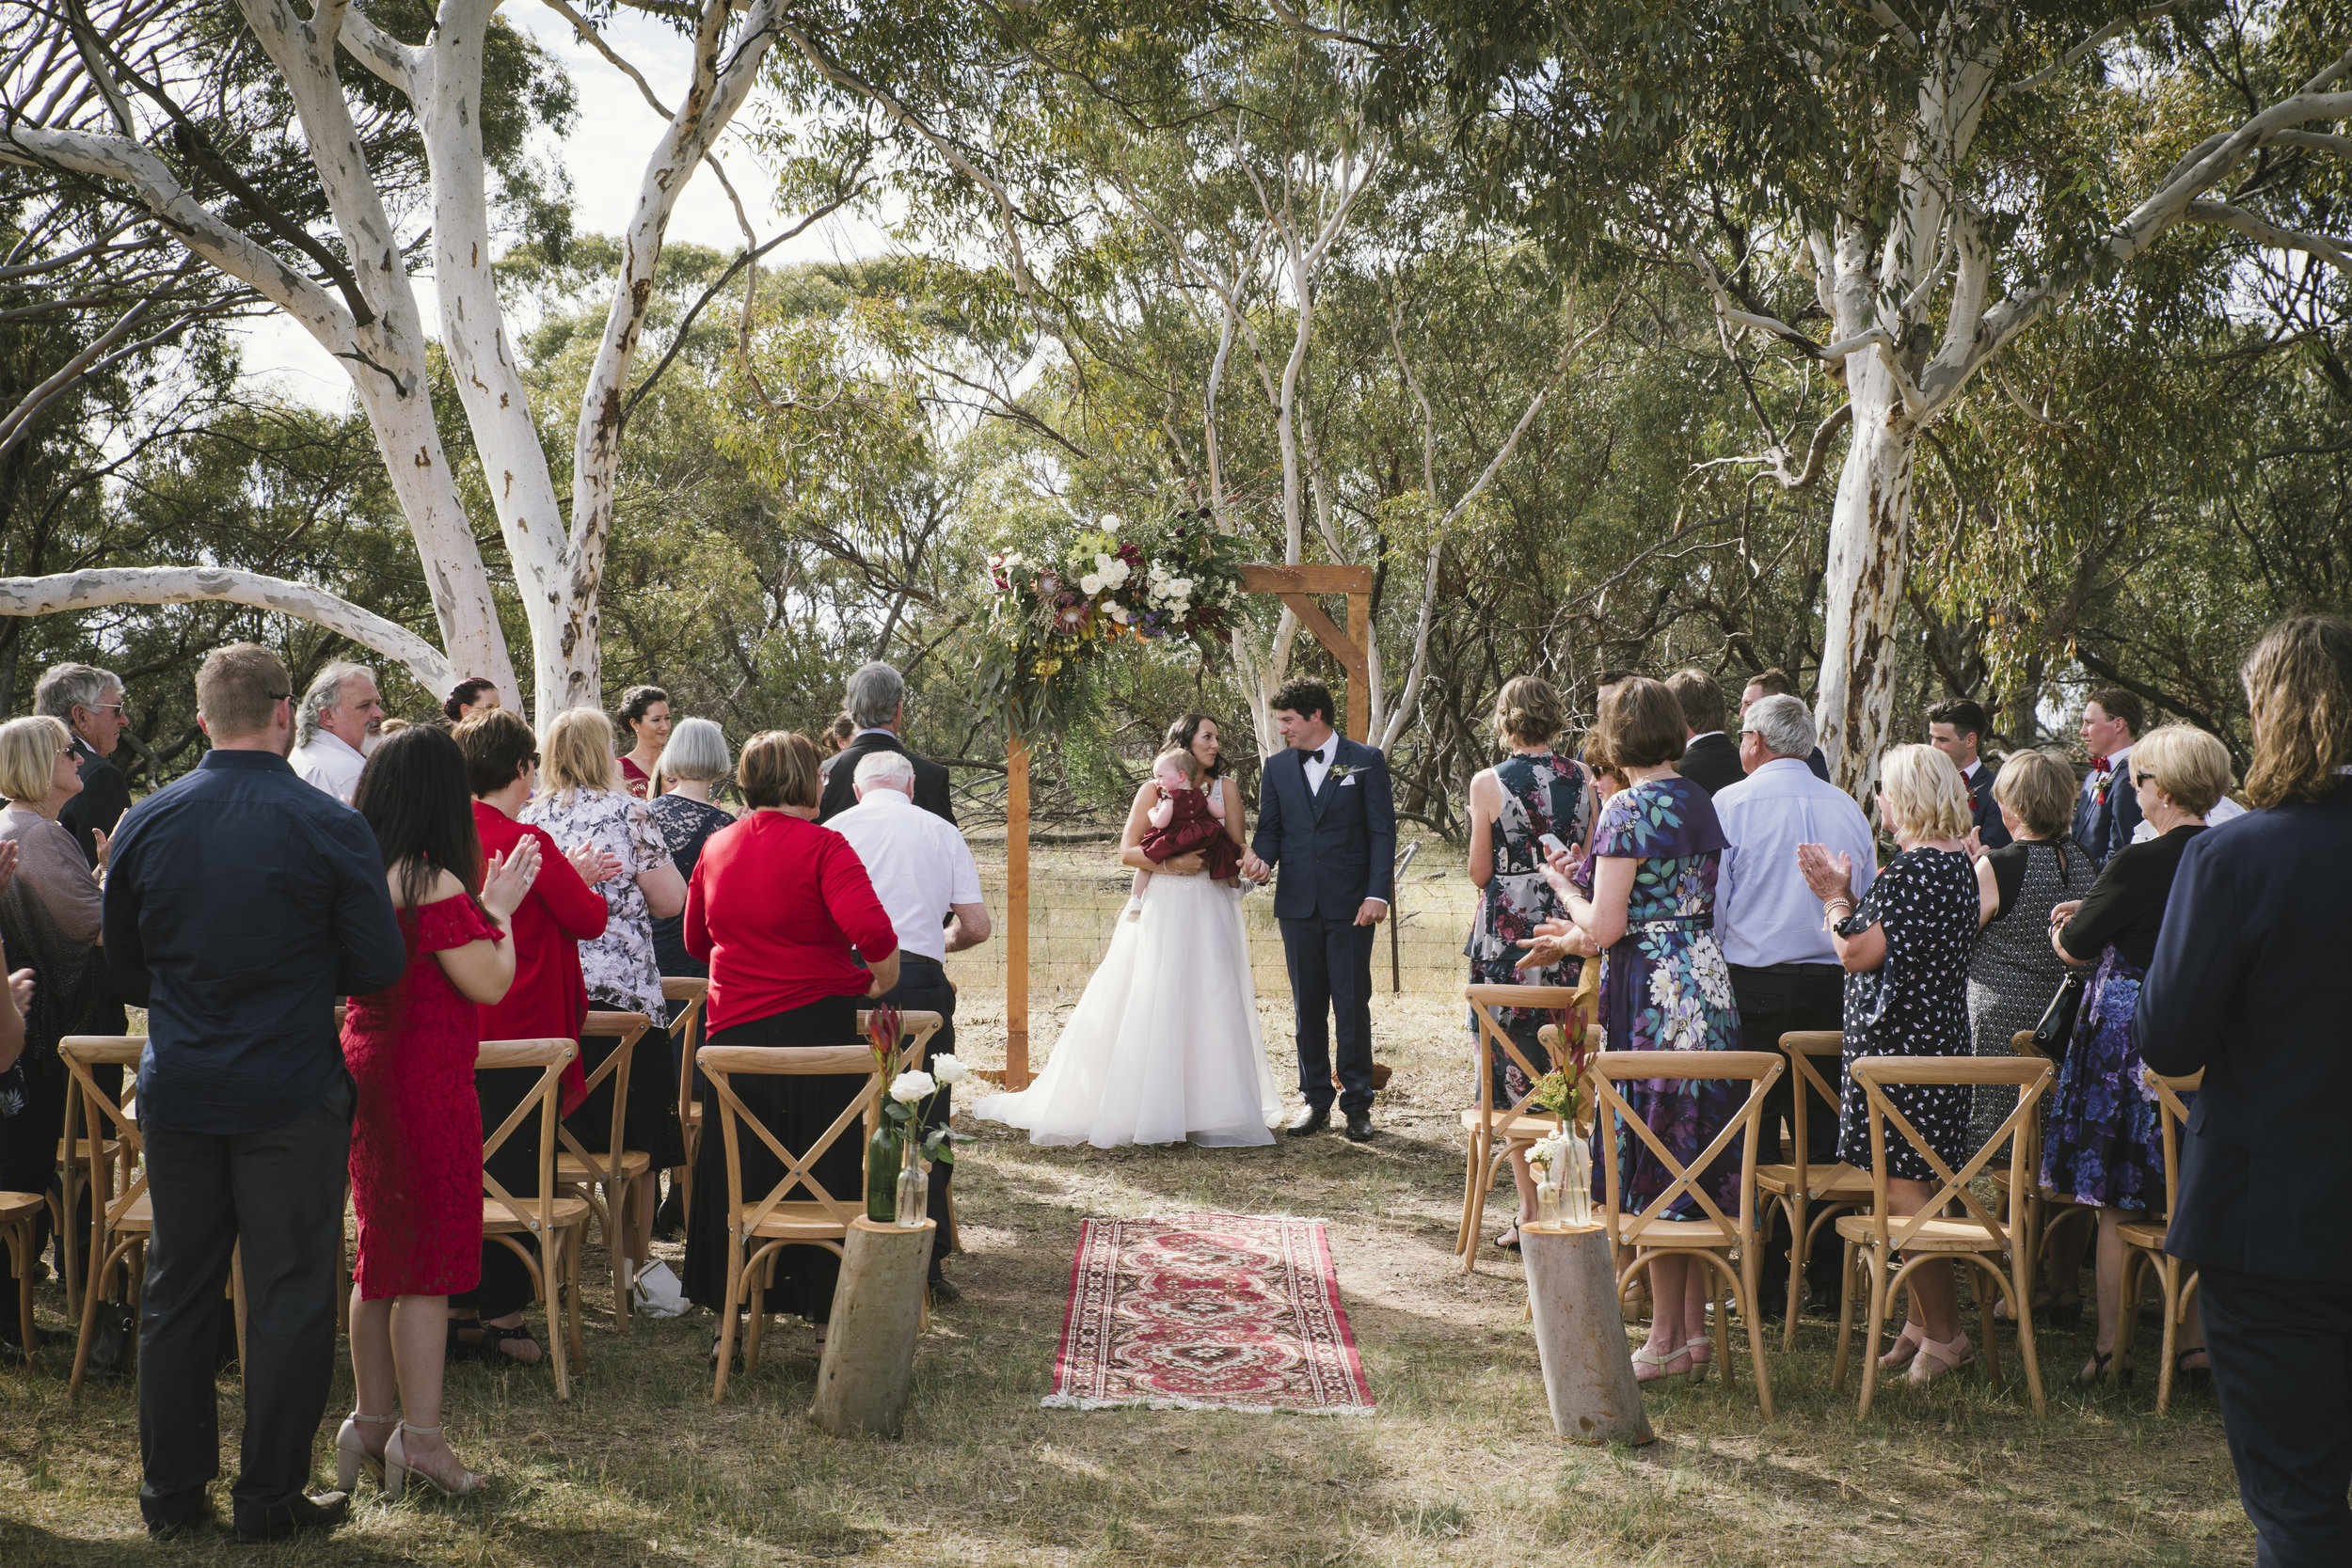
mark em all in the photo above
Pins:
pixel 1459 1465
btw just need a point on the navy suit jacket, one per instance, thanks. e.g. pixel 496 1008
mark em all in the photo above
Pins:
pixel 1336 848
pixel 2101 828
pixel 2249 983
pixel 1983 810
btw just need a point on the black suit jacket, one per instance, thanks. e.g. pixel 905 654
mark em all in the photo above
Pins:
pixel 2249 983
pixel 930 780
pixel 1334 848
pixel 1712 762
pixel 105 796
pixel 1984 811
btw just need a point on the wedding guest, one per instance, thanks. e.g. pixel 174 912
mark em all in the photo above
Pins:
pixel 416 1142
pixel 1957 729
pixel 836 740
pixel 1785 974
pixel 1607 780
pixel 645 712
pixel 877 703
pixel 695 757
pixel 1532 791
pixel 1710 759
pixel 2013 973
pixel 50 914
pixel 548 999
pixel 1904 944
pixel 2249 983
pixel 89 701
pixel 583 803
pixel 244 1104
pixel 2105 816
pixel 781 910
pixel 919 865
pixel 469 697
pixel 1774 682
pixel 1645 899
pixel 2105 1145
pixel 342 718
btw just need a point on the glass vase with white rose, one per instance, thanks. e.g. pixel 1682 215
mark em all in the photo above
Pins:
pixel 911 1096
pixel 1564 1193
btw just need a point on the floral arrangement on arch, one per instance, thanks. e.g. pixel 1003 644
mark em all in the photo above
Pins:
pixel 1058 605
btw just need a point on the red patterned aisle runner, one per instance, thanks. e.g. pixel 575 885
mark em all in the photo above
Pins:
pixel 1207 1312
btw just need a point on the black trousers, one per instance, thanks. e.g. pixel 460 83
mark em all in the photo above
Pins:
pixel 923 988
pixel 1786 999
pixel 279 1194
pixel 1330 965
pixel 2282 1354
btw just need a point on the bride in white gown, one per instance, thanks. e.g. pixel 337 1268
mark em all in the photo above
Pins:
pixel 1164 1045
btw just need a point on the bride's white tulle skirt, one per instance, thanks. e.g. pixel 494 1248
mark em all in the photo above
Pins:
pixel 1164 1046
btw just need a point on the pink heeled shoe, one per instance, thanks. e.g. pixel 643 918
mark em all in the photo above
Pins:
pixel 1937 1357
pixel 1906 1346
pixel 351 1451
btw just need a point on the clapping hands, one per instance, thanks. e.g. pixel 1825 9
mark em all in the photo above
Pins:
pixel 1829 876
pixel 592 863
pixel 21 982
pixel 506 880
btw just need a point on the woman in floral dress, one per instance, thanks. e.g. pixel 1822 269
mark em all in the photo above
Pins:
pixel 1644 897
pixel 1511 805
pixel 585 800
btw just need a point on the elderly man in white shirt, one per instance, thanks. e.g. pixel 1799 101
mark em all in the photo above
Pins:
pixel 1785 975
pixel 339 721
pixel 922 870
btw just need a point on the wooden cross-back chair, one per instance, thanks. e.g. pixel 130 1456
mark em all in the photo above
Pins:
pixel 610 1178
pixel 1876 1240
pixel 65 1204
pixel 545 1231
pixel 2045 1210
pixel 1636 1239
pixel 1808 1196
pixel 1495 1130
pixel 759 1227
pixel 2143 1241
pixel 686 1037
pixel 19 1212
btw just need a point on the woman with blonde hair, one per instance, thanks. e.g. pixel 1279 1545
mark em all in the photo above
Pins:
pixel 1532 793
pixel 583 798
pixel 1905 950
pixel 2103 1146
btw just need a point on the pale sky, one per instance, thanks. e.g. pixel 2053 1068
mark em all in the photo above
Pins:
pixel 606 155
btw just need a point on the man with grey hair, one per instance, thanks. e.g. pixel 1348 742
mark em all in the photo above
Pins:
pixel 1785 975
pixel 89 701
pixel 876 702
pixel 921 869
pixel 336 726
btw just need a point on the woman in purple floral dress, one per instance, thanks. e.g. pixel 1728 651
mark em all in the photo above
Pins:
pixel 1645 896
pixel 1511 805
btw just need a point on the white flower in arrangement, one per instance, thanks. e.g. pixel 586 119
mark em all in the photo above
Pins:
pixel 1089 585
pixel 907 1088
pixel 1180 587
pixel 1158 572
pixel 1112 523
pixel 948 1069
pixel 1119 612
pixel 1112 570
pixel 1549 1151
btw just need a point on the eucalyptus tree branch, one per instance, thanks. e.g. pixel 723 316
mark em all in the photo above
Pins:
pixel 2337 253
pixel 19 419
pixel 2066 61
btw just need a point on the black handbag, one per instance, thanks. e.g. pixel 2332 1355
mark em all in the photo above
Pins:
pixel 2057 1028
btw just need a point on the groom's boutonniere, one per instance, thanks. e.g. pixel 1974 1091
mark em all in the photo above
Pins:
pixel 1340 771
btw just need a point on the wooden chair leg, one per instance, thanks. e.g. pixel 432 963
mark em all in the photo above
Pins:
pixel 552 1288
pixel 1474 1199
pixel 1878 1319
pixel 570 1249
pixel 1748 1282
pixel 2021 1282
pixel 21 1252
pixel 2168 1284
pixel 1989 1349
pixel 2126 1317
pixel 616 1254
pixel 1844 1317
pixel 726 1318
pixel 756 1329
pixel 1793 1208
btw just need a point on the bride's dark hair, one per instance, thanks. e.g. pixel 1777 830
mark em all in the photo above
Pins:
pixel 1181 734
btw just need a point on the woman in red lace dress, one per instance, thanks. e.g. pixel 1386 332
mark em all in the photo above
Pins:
pixel 416 1136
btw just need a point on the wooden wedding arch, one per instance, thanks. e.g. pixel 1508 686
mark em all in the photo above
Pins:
pixel 1297 586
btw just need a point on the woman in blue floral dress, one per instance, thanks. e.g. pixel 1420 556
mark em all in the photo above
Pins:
pixel 2105 1142
pixel 1511 805
pixel 1645 896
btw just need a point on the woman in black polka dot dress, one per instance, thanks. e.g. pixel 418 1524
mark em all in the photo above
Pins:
pixel 1906 950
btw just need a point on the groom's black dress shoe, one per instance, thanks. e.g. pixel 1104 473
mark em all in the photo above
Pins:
pixel 1359 1126
pixel 1310 1121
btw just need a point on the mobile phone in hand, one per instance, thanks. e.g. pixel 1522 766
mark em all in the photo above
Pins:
pixel 1551 844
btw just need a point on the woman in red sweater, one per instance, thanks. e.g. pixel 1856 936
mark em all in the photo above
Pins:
pixel 548 1001
pixel 775 906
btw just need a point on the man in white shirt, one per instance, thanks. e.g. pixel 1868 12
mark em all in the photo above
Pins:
pixel 1785 975
pixel 921 869
pixel 340 719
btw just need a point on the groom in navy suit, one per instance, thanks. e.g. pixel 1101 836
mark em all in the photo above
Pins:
pixel 1324 815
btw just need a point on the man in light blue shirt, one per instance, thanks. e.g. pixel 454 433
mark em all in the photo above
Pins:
pixel 1785 975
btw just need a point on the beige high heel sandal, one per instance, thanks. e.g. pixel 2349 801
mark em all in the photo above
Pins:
pixel 351 1451
pixel 398 1471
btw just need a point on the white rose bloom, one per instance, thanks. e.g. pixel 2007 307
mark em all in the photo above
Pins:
pixel 1118 613
pixel 1089 584
pixel 1114 571
pixel 948 1069
pixel 1181 586
pixel 907 1088
pixel 1112 524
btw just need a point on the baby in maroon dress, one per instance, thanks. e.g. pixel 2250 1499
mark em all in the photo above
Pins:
pixel 1187 820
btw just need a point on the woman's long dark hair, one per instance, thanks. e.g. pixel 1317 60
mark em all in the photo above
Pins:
pixel 1180 735
pixel 413 793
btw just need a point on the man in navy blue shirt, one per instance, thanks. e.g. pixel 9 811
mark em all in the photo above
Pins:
pixel 241 902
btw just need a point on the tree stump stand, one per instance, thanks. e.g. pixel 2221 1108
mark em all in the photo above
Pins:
pixel 868 1364
pixel 1588 1372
